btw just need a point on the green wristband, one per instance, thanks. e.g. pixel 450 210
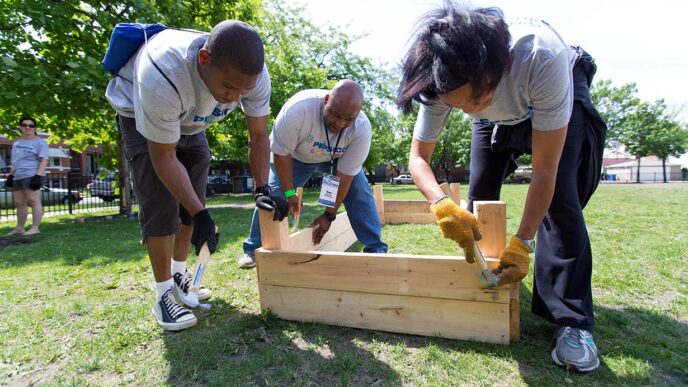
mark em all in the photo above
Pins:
pixel 290 193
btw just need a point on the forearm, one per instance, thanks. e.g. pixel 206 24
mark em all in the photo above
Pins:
pixel 538 200
pixel 258 149
pixel 41 167
pixel 547 150
pixel 283 168
pixel 176 179
pixel 424 177
pixel 259 159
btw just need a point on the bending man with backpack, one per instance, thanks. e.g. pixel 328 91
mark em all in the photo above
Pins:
pixel 175 86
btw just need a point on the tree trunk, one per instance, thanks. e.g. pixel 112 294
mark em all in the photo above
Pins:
pixel 637 174
pixel 664 169
pixel 124 197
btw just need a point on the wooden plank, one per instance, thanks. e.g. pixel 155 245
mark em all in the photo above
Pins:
pixel 303 240
pixel 514 312
pixel 491 217
pixel 341 243
pixel 398 274
pixel 273 235
pixel 406 206
pixel 297 217
pixel 514 320
pixel 465 320
pixel 456 191
pixel 412 218
pixel 448 191
pixel 379 202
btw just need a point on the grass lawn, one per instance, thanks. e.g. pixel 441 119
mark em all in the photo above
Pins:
pixel 76 300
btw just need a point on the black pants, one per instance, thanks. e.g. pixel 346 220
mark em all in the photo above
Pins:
pixel 562 291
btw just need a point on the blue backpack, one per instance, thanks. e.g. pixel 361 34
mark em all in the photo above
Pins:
pixel 125 40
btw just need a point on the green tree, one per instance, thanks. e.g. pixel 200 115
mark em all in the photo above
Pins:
pixel 669 138
pixel 614 104
pixel 454 145
pixel 639 131
pixel 51 51
pixel 396 154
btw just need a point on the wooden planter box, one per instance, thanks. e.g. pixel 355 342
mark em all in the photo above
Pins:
pixel 416 294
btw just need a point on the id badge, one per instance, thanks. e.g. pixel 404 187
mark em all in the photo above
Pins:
pixel 328 191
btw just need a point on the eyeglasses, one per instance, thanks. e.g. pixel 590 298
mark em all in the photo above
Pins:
pixel 28 126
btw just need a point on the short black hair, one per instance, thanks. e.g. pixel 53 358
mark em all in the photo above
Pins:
pixel 455 45
pixel 27 117
pixel 236 44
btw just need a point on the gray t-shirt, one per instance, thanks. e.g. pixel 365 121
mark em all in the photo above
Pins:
pixel 539 85
pixel 26 155
pixel 299 131
pixel 149 98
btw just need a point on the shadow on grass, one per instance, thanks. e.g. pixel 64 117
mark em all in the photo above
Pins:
pixel 228 347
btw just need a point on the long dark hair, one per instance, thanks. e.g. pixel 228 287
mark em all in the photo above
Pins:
pixel 455 45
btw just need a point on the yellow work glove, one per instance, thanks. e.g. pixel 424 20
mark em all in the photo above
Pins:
pixel 513 261
pixel 458 225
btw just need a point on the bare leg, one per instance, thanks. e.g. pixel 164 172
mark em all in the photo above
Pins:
pixel 34 200
pixel 20 203
pixel 159 251
pixel 182 243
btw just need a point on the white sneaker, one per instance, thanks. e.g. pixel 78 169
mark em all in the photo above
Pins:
pixel 247 261
pixel 171 315
pixel 182 284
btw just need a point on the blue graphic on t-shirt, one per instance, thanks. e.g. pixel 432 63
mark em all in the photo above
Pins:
pixel 217 112
pixel 23 148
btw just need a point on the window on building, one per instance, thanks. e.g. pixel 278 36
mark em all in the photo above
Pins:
pixel 57 162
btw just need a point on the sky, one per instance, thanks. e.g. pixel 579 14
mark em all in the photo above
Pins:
pixel 632 41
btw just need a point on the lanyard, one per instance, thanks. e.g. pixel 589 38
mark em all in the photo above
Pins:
pixel 334 150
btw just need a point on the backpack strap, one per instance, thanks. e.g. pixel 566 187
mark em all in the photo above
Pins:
pixel 181 101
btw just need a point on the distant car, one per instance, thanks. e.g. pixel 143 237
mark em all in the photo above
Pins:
pixel 402 179
pixel 49 196
pixel 523 174
pixel 218 184
pixel 103 188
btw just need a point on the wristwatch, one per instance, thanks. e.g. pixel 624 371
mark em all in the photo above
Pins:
pixel 331 216
pixel 262 190
pixel 528 242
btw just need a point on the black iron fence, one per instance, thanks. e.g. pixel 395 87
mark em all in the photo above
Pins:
pixel 68 193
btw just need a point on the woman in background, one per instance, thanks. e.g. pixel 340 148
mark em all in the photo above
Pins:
pixel 29 159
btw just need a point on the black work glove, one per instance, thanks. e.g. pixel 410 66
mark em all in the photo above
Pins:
pixel 10 181
pixel 266 201
pixel 36 182
pixel 204 231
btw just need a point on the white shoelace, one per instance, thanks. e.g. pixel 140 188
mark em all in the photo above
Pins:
pixel 172 307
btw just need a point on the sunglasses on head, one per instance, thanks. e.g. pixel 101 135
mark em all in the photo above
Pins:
pixel 28 125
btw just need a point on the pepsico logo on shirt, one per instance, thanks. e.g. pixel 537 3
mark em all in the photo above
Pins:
pixel 320 148
pixel 217 112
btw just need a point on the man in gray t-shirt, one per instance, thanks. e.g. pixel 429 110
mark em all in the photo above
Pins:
pixel 178 84
pixel 323 131
pixel 517 81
